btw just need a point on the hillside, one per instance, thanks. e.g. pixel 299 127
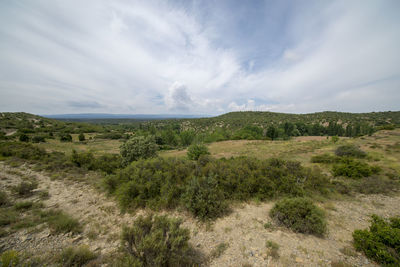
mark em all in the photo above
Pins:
pixel 236 120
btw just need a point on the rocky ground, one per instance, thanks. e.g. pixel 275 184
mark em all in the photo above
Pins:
pixel 238 239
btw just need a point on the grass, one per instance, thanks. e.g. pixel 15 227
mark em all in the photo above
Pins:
pixel 97 146
pixel 219 250
pixel 273 249
pixel 76 256
pixel 60 222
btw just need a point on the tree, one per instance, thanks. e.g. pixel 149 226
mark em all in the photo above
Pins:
pixel 187 137
pixel 272 132
pixel 65 138
pixel 138 147
pixel 196 150
pixel 24 138
pixel 81 137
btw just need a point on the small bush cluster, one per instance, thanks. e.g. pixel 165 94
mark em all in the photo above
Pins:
pixel 300 215
pixel 21 150
pixel 38 139
pixel 157 241
pixel 350 151
pixel 171 182
pixel 25 188
pixel 381 242
pixel 204 198
pixel 76 256
pixel 354 168
pixel 375 185
pixel 324 158
pixel 60 222
pixel 196 150
pixel 107 163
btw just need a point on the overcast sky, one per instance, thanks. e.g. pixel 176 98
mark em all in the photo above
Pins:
pixel 199 57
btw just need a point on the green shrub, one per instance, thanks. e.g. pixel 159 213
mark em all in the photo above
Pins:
pixel 22 150
pixel 162 182
pixel 354 168
pixel 60 222
pixel 25 188
pixel 76 256
pixel 81 137
pixel 10 258
pixel 8 216
pixel 157 241
pixel 300 215
pixel 3 198
pixel 324 158
pixel 65 138
pixel 273 249
pixel 219 250
pixel 38 139
pixel 83 159
pixel 24 138
pixel 204 198
pixel 139 147
pixel 196 150
pixel 23 205
pixel 350 151
pixel 375 185
pixel 381 242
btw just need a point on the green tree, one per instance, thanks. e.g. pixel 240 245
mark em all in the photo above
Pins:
pixel 272 132
pixel 138 147
pixel 196 150
pixel 24 138
pixel 187 137
pixel 81 137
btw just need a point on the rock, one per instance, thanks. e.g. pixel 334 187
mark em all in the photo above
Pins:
pixel 299 260
pixel 366 261
pixel 77 239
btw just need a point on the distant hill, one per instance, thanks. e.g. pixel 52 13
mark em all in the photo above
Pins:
pixel 237 120
pixel 96 116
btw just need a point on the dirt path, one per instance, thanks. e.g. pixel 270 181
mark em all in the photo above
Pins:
pixel 243 231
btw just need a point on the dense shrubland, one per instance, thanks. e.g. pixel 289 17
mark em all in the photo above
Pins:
pixel 169 183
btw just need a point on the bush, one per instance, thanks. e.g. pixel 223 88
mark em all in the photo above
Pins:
pixel 139 147
pixel 3 198
pixel 24 138
pixel 375 185
pixel 60 222
pixel 204 199
pixel 300 215
pixel 23 205
pixel 157 241
pixel 25 188
pixel 65 138
pixel 38 139
pixel 22 150
pixel 10 258
pixel 354 169
pixel 162 182
pixel 324 158
pixel 83 159
pixel 81 137
pixel 76 257
pixel 196 150
pixel 350 151
pixel 381 242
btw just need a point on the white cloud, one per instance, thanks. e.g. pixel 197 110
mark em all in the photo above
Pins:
pixel 124 54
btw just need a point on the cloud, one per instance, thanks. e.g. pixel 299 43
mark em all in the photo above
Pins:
pixel 85 104
pixel 178 98
pixel 126 56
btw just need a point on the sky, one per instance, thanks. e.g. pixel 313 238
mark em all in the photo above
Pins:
pixel 199 57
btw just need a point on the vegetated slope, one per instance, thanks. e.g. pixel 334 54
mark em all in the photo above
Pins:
pixel 21 122
pixel 236 120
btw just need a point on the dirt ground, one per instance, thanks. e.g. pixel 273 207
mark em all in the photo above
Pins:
pixel 244 232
